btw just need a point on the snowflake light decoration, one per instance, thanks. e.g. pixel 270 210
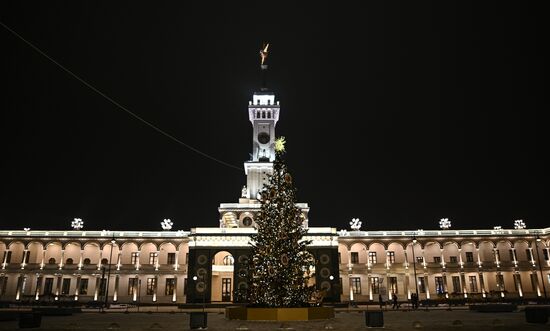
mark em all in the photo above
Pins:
pixel 355 224
pixel 343 233
pixel 77 224
pixel 497 227
pixel 444 223
pixel 420 232
pixel 166 224
pixel 519 224
pixel 26 229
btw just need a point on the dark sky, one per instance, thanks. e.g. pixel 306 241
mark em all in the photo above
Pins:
pixel 398 114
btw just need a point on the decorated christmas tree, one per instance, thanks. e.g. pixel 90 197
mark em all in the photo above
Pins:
pixel 280 265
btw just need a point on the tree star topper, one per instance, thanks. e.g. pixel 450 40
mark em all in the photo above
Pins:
pixel 263 52
pixel 280 144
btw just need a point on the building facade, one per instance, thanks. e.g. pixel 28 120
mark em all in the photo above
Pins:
pixel 208 264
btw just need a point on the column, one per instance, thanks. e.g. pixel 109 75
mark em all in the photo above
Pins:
pixel 514 257
pixel 99 261
pixel 532 256
pixel 5 259
pixel 478 257
pixel 463 280
pixel 369 286
pixel 38 287
pixel 62 259
pixel 119 258
pixel 482 284
pixel 442 260
pixel 495 254
pixel 137 260
pixel 58 286
pixel 97 283
pixel 155 288
pixel 115 292
pixel 176 265
pixel 157 258
pixel 81 259
pixel 445 288
pixel 174 297
pixel 517 281
pixel 77 289
pixel 460 261
pixel 427 285
pixel 24 262
pixel 135 289
pixel 406 284
pixel 424 259
pixel 43 259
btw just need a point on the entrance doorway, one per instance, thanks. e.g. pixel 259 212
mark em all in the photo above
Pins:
pixel 226 289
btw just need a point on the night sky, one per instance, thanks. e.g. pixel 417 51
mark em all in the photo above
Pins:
pixel 398 114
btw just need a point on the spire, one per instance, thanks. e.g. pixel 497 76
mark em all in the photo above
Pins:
pixel 263 65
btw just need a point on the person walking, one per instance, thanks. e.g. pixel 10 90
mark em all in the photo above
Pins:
pixel 380 300
pixel 395 303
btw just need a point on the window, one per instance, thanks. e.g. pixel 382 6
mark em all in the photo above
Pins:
pixel 453 259
pixel 419 259
pixel 469 257
pixel 473 284
pixel 247 221
pixel 170 286
pixel 257 114
pixel 132 285
pixel 354 257
pixel 269 113
pixel 48 285
pixel 151 285
pixel 356 285
pixel 372 258
pixel 529 254
pixel 83 290
pixel 66 286
pixel 86 261
pixel 392 282
pixel 135 257
pixel 439 287
pixel 69 261
pixel 500 282
pixel 456 284
pixel 7 257
pixel 421 285
pixel 171 258
pixel 228 260
pixel 437 259
pixel 496 255
pixel 375 285
pixel 51 260
pixel 513 256
pixel 391 256
pixel 186 257
pixel 153 258
pixel 545 254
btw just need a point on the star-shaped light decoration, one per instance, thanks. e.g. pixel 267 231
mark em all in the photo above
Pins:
pixel 280 144
pixel 355 224
pixel 166 224
pixel 77 224
pixel 26 229
pixel 519 224
pixel 420 232
pixel 444 223
pixel 497 227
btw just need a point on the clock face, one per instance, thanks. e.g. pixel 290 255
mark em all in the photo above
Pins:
pixel 263 137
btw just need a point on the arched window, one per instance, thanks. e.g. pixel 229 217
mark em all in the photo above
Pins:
pixel 269 114
pixel 257 114
pixel 86 261
pixel 228 260
pixel 69 261
pixel 263 114
pixel 51 260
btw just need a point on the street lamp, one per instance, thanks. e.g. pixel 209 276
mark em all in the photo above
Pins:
pixel 540 265
pixel 414 265
pixel 113 241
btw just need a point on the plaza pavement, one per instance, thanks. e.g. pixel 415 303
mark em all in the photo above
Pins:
pixel 165 318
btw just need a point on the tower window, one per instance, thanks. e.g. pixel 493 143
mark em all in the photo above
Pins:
pixel 268 114
pixel 263 114
pixel 257 114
